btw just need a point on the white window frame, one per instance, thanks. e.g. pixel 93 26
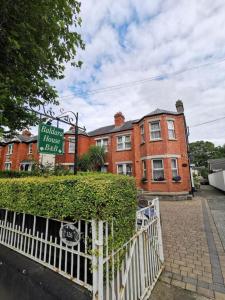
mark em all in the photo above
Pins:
pixel 104 168
pixel 124 169
pixel 71 140
pixel 144 168
pixel 30 150
pixel 152 130
pixel 123 142
pixel 102 143
pixel 142 132
pixel 174 169
pixel 171 130
pixel 10 148
pixel 9 164
pixel 158 169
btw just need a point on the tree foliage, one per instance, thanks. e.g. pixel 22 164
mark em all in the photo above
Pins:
pixel 93 160
pixel 202 151
pixel 37 38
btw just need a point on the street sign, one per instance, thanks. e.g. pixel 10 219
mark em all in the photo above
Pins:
pixel 69 235
pixel 50 139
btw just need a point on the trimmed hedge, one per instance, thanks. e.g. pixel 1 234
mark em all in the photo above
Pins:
pixel 93 196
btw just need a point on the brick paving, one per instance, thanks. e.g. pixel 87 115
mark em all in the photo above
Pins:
pixel 194 255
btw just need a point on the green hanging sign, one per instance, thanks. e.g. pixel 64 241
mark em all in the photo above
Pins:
pixel 50 139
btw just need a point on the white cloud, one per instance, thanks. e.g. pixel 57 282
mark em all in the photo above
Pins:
pixel 129 40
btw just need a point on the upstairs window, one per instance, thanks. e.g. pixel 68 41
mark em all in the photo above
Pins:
pixel 142 130
pixel 155 130
pixel 174 167
pixel 71 145
pixel 171 129
pixel 30 148
pixel 124 169
pixel 158 170
pixel 124 142
pixel 10 149
pixel 102 143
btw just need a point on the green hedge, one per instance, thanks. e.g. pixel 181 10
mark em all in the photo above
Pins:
pixel 93 196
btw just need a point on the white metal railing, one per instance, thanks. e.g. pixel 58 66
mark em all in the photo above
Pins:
pixel 38 238
pixel 135 276
pixel 128 273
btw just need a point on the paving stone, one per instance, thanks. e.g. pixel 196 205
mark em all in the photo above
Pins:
pixel 205 292
pixel 191 287
pixel 177 277
pixel 219 296
pixel 190 280
pixel 203 284
pixel 165 279
pixel 178 283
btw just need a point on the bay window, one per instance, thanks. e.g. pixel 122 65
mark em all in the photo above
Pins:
pixel 155 130
pixel 174 167
pixel 171 129
pixel 142 130
pixel 157 170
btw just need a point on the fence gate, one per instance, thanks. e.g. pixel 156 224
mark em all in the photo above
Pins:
pixel 141 266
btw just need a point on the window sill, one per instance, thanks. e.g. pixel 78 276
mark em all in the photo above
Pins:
pixel 142 143
pixel 172 139
pixel 176 181
pixel 118 150
pixel 158 140
pixel 163 181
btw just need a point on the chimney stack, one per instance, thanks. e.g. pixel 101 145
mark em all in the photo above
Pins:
pixel 119 119
pixel 180 106
pixel 26 132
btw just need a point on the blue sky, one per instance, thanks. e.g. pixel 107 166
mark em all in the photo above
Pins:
pixel 131 40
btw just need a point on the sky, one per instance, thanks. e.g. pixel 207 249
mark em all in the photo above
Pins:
pixel 179 43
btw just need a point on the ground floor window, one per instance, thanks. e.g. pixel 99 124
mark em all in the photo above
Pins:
pixel 174 167
pixel 26 167
pixel 144 169
pixel 158 170
pixel 8 166
pixel 104 169
pixel 124 169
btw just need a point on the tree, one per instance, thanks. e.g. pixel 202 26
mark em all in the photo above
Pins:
pixel 202 151
pixel 37 38
pixel 93 160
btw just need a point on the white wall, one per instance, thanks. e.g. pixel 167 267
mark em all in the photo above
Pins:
pixel 218 180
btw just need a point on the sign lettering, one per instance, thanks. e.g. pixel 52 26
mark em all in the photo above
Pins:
pixel 50 139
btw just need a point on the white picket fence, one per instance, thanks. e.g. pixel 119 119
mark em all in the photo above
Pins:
pixel 129 273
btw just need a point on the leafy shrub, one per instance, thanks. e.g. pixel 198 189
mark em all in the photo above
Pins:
pixel 93 196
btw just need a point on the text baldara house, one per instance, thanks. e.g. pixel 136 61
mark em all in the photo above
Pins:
pixel 154 149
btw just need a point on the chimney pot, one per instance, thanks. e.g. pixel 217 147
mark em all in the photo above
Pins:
pixel 26 132
pixel 119 119
pixel 179 106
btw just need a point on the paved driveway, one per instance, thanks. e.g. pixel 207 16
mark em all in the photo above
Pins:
pixel 194 253
pixel 216 202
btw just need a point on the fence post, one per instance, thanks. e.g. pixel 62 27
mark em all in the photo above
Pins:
pixel 94 261
pixel 100 261
pixel 97 259
pixel 159 231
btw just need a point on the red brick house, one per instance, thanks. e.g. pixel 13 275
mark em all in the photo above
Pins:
pixel 153 149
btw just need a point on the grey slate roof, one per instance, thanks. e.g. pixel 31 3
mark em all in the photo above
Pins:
pixel 111 128
pixel 129 124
